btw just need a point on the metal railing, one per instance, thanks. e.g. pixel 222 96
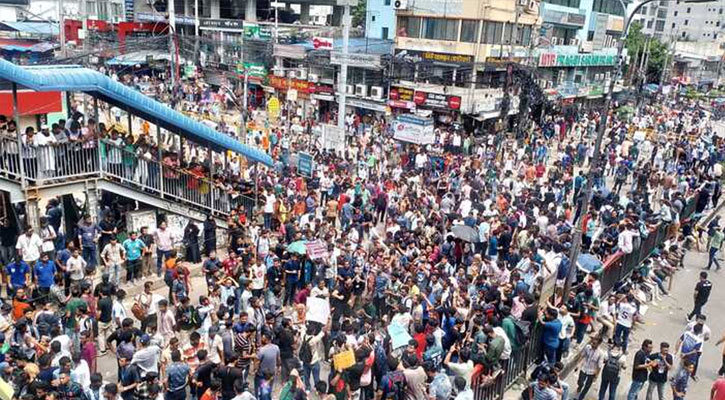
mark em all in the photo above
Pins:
pixel 62 162
pixel 616 267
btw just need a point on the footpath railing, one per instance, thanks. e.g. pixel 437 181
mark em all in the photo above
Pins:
pixel 62 162
pixel 616 267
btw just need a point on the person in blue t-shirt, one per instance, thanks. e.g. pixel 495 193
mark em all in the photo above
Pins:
pixel 18 273
pixel 61 258
pixel 550 334
pixel 134 249
pixel 44 272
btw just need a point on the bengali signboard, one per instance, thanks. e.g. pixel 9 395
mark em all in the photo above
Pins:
pixel 221 24
pixel 416 56
pixel 358 60
pixel 576 60
pixel 289 51
pixel 600 31
pixel 255 31
pixel 437 100
pixel 333 138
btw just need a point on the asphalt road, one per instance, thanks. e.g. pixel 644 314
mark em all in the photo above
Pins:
pixel 665 321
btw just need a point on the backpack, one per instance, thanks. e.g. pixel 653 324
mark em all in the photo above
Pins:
pixel 306 351
pixel 395 385
pixel 611 366
pixel 523 331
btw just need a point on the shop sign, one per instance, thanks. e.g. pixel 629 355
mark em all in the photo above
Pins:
pixel 254 70
pixel 487 100
pixel 282 83
pixel 596 91
pixel 368 105
pixel 255 31
pixel 416 56
pixel 560 17
pixel 575 60
pixel 436 100
pixel 600 31
pixel 273 107
pixel 128 9
pixel 324 89
pixel 401 93
pixel 289 51
pixel 221 24
pixel 322 43
pixel 358 60
pixel 401 104
pixel 153 17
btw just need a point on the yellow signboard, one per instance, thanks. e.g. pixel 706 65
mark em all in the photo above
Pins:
pixel 343 360
pixel 273 107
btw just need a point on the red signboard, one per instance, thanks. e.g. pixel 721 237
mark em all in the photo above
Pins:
pixel 281 83
pixel 31 103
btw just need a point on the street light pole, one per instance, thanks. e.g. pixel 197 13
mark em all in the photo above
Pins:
pixel 577 238
pixel 342 81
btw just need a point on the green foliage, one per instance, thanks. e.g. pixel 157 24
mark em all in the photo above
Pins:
pixel 359 13
pixel 658 52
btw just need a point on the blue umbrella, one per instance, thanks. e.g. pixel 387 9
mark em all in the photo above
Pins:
pixel 588 263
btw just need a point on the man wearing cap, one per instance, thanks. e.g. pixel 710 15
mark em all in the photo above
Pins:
pixel 46 153
pixel 147 357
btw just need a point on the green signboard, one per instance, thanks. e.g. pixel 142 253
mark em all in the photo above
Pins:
pixel 576 60
pixel 255 31
pixel 255 70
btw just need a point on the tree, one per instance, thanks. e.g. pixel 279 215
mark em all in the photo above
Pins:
pixel 635 42
pixel 359 13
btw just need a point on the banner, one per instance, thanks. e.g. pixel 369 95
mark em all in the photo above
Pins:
pixel 413 133
pixel 333 138
pixel 318 310
pixel 344 360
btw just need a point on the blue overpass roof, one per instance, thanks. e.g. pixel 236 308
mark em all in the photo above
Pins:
pixel 79 79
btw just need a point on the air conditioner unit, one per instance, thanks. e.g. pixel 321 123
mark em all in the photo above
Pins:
pixel 292 74
pixel 574 42
pixel 349 89
pixel 400 4
pixel 532 7
pixel 376 92
pixel 279 72
pixel 554 41
pixel 608 76
pixel 302 74
pixel 361 90
pixel 314 78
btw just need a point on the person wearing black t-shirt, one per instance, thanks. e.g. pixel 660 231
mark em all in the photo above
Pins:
pixel 701 295
pixel 640 369
pixel 658 374
pixel 202 375
pixel 228 374
pixel 105 319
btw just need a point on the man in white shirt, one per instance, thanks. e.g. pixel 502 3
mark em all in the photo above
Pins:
pixel 626 314
pixel 28 246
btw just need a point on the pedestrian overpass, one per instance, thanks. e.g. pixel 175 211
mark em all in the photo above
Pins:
pixel 29 174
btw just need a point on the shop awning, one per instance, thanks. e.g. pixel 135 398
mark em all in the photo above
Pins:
pixel 26 46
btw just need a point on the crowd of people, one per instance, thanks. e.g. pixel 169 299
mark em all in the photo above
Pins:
pixel 396 271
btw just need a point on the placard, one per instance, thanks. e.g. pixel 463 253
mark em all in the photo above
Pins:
pixel 135 220
pixel 318 310
pixel 304 164
pixel 343 360
pixel 413 133
pixel 399 337
pixel 316 249
pixel 333 138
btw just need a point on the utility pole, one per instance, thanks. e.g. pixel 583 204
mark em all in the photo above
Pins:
pixel 342 81
pixel 172 43
pixel 61 30
pixel 245 106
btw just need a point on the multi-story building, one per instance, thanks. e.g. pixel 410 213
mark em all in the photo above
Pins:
pixel 576 51
pixel 451 57
pixel 380 19
pixel 678 20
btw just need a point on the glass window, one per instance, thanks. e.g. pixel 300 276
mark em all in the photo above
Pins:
pixel 469 31
pixel 441 29
pixel 689 9
pixel 387 2
pixel 686 22
pixel 492 32
pixel 409 27
pixel 524 35
pixel 612 7
pixel 662 14
pixel 507 32
pixel 385 32
pixel 643 11
pixel 649 24
pixel 660 26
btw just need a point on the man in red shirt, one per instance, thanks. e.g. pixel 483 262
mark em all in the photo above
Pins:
pixel 420 339
pixel 718 387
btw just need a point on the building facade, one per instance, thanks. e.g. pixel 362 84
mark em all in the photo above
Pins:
pixel 576 51
pixel 380 19
pixel 678 20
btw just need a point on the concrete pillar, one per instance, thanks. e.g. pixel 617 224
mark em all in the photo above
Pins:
pixel 250 12
pixel 32 213
pixel 304 13
pixel 188 9
pixel 215 8
pixel 93 197
pixel 337 12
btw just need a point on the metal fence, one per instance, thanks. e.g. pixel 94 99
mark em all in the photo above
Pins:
pixel 40 165
pixel 618 266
